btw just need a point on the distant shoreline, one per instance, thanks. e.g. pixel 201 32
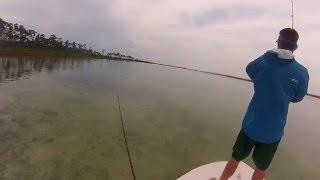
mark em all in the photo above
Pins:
pixel 9 51
pixel 42 52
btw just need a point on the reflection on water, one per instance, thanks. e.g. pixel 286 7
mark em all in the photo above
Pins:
pixel 12 69
pixel 59 120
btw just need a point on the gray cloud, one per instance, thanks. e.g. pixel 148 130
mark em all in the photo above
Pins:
pixel 76 20
pixel 212 35
pixel 228 14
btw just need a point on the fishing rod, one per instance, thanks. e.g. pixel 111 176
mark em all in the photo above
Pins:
pixel 126 141
pixel 215 73
pixel 200 71
pixel 292 14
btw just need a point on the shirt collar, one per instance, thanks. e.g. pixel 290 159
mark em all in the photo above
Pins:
pixel 282 53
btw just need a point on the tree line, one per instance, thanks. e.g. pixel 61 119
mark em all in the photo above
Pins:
pixel 18 35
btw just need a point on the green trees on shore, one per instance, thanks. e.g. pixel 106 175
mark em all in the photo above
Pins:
pixel 15 40
pixel 16 35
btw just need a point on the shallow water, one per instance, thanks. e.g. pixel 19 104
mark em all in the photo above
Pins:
pixel 59 119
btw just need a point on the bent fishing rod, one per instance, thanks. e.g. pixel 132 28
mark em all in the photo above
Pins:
pixel 215 73
pixel 200 71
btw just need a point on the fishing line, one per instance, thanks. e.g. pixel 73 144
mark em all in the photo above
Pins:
pixel 201 71
pixel 126 141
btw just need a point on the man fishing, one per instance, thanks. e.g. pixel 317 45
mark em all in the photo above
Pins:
pixel 278 80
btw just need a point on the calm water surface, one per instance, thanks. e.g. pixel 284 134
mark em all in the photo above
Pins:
pixel 59 119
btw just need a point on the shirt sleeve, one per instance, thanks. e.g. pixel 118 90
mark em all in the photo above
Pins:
pixel 302 89
pixel 255 68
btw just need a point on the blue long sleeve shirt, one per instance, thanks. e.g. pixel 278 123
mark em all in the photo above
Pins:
pixel 277 82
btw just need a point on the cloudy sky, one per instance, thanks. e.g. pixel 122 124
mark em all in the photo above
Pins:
pixel 212 35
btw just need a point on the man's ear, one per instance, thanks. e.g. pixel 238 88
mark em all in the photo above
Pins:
pixel 295 47
pixel 278 45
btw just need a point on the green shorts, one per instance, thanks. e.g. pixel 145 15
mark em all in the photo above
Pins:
pixel 262 153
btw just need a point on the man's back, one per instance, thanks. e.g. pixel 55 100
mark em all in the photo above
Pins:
pixel 277 82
